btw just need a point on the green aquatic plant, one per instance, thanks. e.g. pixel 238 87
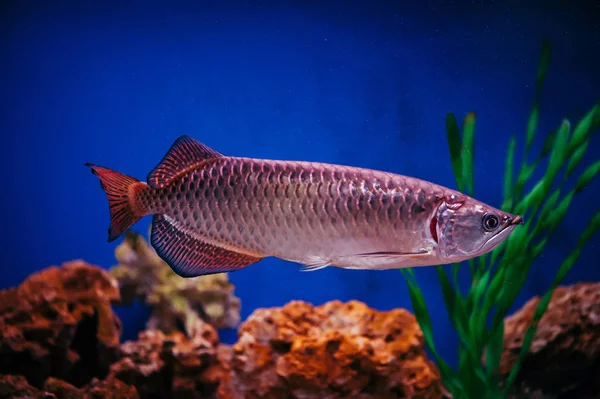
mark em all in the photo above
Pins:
pixel 498 277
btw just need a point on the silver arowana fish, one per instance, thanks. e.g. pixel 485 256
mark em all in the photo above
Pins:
pixel 214 213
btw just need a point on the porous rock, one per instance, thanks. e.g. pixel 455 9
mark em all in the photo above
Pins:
pixel 337 350
pixel 171 365
pixel 564 357
pixel 59 323
pixel 17 387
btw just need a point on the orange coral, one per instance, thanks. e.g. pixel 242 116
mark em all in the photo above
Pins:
pixel 18 387
pixel 171 365
pixel 59 331
pixel 337 350
pixel 59 322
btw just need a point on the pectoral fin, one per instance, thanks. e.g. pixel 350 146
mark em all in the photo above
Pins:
pixel 315 263
pixel 382 260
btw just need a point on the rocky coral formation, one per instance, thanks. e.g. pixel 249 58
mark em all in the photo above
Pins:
pixel 60 338
pixel 59 322
pixel 337 350
pixel 173 300
pixel 171 365
pixel 564 358
pixel 16 387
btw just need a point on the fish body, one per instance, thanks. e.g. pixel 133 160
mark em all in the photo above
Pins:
pixel 215 213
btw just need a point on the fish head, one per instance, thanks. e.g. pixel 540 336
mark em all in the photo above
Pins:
pixel 467 228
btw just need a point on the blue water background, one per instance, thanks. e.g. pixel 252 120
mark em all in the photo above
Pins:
pixel 360 83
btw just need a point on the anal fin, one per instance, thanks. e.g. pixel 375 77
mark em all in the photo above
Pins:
pixel 189 256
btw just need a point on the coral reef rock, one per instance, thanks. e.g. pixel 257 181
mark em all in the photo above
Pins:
pixel 173 300
pixel 13 387
pixel 165 366
pixel 59 338
pixel 564 357
pixel 59 323
pixel 337 350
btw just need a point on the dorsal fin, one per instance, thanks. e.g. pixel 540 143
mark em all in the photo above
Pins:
pixel 185 152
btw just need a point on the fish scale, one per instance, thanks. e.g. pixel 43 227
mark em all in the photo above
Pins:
pixel 295 207
pixel 215 213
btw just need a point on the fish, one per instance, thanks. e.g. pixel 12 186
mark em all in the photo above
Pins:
pixel 213 213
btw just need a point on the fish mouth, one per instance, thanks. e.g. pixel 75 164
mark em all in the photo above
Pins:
pixel 516 221
pixel 497 239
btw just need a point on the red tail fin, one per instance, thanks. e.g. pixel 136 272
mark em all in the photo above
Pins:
pixel 123 199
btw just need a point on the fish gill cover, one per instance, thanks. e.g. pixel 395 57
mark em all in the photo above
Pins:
pixel 478 315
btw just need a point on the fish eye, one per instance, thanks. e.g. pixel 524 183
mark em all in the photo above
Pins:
pixel 490 221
